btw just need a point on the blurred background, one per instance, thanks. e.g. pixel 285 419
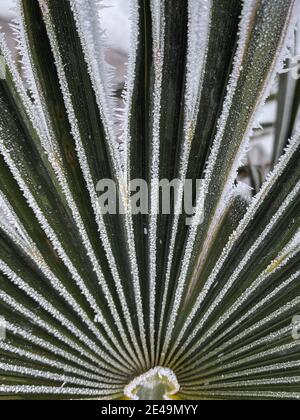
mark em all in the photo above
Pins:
pixel 277 122
pixel 115 21
pixel 6 14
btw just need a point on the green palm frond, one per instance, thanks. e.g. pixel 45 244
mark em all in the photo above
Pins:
pixel 148 306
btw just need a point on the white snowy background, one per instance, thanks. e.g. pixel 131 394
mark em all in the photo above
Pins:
pixel 115 22
pixel 5 6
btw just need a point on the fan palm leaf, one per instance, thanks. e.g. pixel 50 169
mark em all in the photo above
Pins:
pixel 148 306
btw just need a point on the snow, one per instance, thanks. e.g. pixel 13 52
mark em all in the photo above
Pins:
pixel 115 20
pixel 6 11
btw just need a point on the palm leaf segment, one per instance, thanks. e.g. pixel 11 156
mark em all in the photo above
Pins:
pixel 96 305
